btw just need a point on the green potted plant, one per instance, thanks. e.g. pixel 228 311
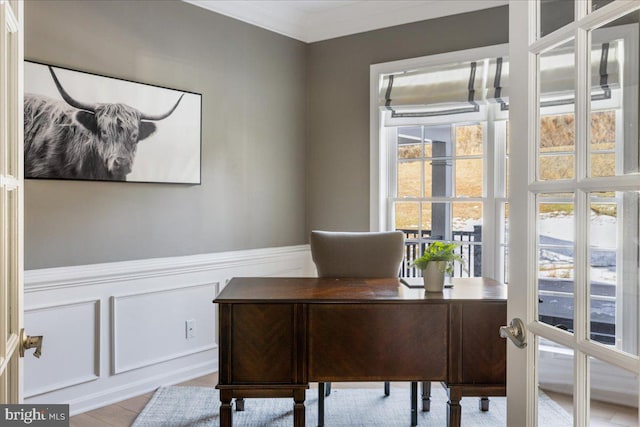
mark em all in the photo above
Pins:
pixel 438 259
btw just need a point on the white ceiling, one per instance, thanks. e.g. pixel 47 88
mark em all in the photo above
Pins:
pixel 315 20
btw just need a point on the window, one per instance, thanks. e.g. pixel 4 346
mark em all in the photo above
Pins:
pixel 444 176
pixel 439 170
pixel 439 190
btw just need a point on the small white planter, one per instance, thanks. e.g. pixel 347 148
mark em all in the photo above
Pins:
pixel 433 276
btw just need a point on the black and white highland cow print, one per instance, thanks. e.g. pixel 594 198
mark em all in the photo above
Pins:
pixel 71 139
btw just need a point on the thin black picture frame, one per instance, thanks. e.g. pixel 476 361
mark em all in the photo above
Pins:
pixel 102 145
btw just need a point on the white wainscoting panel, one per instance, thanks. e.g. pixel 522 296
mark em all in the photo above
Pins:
pixel 117 330
pixel 608 383
pixel 72 345
pixel 150 327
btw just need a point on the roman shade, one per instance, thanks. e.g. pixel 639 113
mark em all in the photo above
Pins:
pixel 557 74
pixel 465 86
pixel 449 89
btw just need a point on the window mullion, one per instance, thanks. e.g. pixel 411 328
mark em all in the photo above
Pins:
pixel 422 189
pixel 392 176
pixel 581 241
pixel 491 171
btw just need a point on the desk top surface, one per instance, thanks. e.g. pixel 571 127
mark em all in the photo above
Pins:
pixel 326 290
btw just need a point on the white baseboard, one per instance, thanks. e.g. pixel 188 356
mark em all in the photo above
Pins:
pixel 117 330
pixel 108 396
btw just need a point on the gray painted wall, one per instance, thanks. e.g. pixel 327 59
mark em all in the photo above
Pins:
pixel 253 135
pixel 338 105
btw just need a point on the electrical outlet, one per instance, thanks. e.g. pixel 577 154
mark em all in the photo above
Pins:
pixel 190 329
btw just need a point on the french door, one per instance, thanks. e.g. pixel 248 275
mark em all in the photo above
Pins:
pixel 11 200
pixel 574 205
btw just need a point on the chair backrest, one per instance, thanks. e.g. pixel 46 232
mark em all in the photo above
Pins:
pixel 375 254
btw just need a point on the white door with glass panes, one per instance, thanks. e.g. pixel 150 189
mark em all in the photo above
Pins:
pixel 11 200
pixel 573 205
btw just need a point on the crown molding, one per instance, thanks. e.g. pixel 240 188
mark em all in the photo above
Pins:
pixel 312 21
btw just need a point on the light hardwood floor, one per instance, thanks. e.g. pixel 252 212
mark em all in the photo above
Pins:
pixel 123 413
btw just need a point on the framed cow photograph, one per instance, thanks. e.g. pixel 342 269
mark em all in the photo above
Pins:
pixel 85 126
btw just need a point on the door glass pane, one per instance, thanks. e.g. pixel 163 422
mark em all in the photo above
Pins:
pixel 4 103
pixel 506 167
pixel 555 384
pixel 614 395
pixel 3 385
pixel 4 263
pixel 614 98
pixel 597 4
pixel 508 145
pixel 557 140
pixel 555 228
pixel 613 270
pixel 14 6
pixel 555 14
pixel 506 180
pixel 11 260
pixel 5 205
pixel 556 166
pixel 556 146
pixel 12 114
pixel 602 150
pixel 505 242
pixel 409 178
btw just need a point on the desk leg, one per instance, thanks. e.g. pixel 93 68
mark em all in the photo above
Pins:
pixel 298 408
pixel 240 404
pixel 321 391
pixel 414 403
pixel 226 419
pixel 484 404
pixel 426 396
pixel 455 410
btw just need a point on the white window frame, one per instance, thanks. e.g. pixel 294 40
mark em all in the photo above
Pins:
pixel 383 155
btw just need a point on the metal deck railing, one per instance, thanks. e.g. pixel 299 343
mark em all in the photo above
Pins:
pixel 470 250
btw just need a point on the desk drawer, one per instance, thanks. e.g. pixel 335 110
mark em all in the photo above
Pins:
pixel 374 342
pixel 265 344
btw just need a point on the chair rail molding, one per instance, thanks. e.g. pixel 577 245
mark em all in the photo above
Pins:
pixel 96 274
pixel 117 330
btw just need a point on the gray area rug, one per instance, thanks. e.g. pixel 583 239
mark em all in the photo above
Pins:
pixel 199 406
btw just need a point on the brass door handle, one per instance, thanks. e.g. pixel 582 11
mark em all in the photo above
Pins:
pixel 516 332
pixel 28 342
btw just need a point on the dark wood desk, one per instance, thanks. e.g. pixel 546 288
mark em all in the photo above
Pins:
pixel 279 334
